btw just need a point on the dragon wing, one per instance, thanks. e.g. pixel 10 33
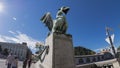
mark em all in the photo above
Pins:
pixel 47 20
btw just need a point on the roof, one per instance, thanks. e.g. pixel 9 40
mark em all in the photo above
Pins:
pixel 88 55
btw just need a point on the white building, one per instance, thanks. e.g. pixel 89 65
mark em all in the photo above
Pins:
pixel 20 50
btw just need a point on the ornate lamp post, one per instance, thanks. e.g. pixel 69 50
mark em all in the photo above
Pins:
pixel 109 39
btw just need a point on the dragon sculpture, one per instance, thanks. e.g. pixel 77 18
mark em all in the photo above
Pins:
pixel 58 25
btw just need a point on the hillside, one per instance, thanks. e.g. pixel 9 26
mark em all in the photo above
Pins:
pixel 83 51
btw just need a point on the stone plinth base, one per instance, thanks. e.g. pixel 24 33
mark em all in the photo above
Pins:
pixel 60 52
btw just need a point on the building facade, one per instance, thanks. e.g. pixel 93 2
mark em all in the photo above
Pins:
pixel 84 59
pixel 20 50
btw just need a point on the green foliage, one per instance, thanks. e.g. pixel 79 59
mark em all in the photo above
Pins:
pixel 83 51
pixel 5 52
pixel 0 48
pixel 118 48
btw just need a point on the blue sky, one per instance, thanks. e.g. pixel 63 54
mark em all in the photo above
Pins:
pixel 87 20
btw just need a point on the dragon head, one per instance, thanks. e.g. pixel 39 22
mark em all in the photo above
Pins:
pixel 64 9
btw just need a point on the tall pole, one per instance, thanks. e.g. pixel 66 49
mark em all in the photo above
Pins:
pixel 111 43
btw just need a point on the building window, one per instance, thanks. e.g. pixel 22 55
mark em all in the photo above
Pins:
pixel 98 58
pixel 88 59
pixel 94 60
pixel 80 61
pixel 102 57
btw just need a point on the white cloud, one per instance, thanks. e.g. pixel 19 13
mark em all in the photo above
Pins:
pixel 105 47
pixel 2 39
pixel 11 32
pixel 19 37
pixel 14 18
pixel 98 50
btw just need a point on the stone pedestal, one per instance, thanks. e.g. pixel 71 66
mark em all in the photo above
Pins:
pixel 60 52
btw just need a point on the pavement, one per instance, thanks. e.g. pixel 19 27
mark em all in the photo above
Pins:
pixel 2 63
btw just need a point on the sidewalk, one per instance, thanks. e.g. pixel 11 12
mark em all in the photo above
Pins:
pixel 2 64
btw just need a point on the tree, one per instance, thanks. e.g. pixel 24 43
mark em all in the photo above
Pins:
pixel 0 48
pixel 5 52
pixel 118 48
pixel 39 47
pixel 83 51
